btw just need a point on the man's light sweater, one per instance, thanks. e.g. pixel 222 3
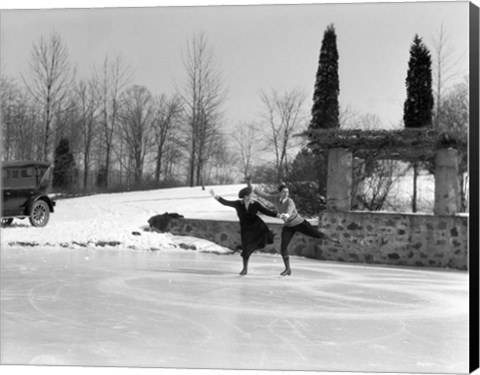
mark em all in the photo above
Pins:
pixel 287 206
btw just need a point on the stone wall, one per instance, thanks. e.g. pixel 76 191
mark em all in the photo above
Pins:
pixel 367 237
pixel 397 239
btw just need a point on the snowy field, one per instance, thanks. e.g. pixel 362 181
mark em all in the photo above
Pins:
pixel 108 220
pixel 86 291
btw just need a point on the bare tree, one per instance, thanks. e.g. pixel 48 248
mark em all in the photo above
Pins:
pixel 348 118
pixel 246 137
pixel 445 69
pixel 88 103
pixel 9 105
pixel 221 165
pixel 455 117
pixel 370 121
pixel 49 80
pixel 167 115
pixel 284 115
pixel 114 76
pixel 20 127
pixel 173 156
pixel 451 96
pixel 203 94
pixel 377 183
pixel 136 118
pixel 455 108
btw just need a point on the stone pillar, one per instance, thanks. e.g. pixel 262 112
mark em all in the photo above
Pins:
pixel 339 179
pixel 446 182
pixel 358 170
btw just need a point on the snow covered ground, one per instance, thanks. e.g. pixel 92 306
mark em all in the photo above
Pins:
pixel 108 220
pixel 85 290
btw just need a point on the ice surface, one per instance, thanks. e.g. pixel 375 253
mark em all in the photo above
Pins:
pixel 191 310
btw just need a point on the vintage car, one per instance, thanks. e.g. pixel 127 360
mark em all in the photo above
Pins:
pixel 25 187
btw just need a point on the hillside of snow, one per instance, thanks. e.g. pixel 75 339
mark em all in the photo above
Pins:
pixel 121 220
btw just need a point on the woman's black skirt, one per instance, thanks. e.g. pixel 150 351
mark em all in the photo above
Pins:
pixel 255 236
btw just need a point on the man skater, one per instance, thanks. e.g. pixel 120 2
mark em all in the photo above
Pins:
pixel 293 222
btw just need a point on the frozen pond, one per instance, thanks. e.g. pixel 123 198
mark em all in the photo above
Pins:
pixel 192 310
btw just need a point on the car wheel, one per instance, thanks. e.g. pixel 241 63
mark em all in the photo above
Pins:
pixel 40 214
pixel 7 222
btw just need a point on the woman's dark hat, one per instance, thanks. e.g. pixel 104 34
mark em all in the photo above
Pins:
pixel 281 187
pixel 245 191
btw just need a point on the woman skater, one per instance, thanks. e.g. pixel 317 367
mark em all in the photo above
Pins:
pixel 253 231
pixel 293 222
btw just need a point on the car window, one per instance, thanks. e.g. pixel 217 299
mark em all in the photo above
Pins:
pixel 27 172
pixel 19 178
pixel 7 178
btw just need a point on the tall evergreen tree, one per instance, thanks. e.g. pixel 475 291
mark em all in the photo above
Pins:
pixel 417 110
pixel 64 166
pixel 325 110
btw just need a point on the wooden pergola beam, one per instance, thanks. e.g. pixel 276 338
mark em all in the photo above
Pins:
pixel 400 153
pixel 406 144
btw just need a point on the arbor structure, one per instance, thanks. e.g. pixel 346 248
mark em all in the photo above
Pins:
pixel 454 117
pixel 417 110
pixel 325 109
pixel 415 145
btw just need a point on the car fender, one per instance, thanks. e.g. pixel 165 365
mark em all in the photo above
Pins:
pixel 50 202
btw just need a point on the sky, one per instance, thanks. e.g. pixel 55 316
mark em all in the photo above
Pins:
pixel 256 47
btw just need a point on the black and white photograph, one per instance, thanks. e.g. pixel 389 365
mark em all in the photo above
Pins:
pixel 235 187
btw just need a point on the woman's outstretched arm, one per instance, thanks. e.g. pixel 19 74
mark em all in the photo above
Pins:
pixel 221 200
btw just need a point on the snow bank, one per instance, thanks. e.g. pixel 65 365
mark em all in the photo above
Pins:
pixel 120 220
